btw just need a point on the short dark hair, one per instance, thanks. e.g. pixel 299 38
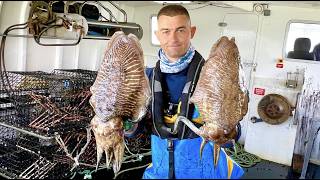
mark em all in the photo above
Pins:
pixel 173 10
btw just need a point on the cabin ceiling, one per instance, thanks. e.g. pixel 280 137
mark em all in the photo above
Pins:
pixel 304 4
pixel 239 4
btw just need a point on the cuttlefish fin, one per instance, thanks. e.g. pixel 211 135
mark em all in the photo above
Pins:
pixel 216 154
pixel 203 143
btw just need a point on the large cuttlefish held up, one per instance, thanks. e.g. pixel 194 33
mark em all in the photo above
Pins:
pixel 220 96
pixel 121 90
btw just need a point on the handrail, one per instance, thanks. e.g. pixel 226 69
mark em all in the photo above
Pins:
pixel 112 24
pixel 100 4
pixel 109 11
pixel 121 10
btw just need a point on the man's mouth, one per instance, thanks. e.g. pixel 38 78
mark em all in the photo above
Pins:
pixel 174 46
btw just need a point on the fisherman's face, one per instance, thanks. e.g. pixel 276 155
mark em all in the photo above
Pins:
pixel 174 34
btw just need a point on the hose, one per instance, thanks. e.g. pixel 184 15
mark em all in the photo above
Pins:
pixel 243 158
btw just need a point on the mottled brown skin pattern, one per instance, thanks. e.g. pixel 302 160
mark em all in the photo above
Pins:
pixel 121 87
pixel 218 96
pixel 120 90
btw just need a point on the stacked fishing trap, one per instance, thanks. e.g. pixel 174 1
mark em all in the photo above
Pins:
pixel 44 126
pixel 39 115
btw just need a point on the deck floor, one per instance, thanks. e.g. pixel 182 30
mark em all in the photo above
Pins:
pixel 266 170
pixel 270 170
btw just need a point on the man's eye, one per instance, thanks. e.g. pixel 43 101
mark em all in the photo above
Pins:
pixel 181 30
pixel 165 32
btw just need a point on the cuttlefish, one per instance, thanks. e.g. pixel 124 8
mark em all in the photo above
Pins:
pixel 220 95
pixel 121 90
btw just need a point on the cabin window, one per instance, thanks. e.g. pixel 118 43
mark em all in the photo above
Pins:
pixel 302 41
pixel 154 27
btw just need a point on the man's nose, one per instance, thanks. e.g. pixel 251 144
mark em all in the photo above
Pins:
pixel 174 36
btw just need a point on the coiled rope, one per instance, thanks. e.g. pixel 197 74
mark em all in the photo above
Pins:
pixel 243 158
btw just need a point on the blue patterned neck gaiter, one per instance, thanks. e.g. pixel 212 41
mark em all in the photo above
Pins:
pixel 173 67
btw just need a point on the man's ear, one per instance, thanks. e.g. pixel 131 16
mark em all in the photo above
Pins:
pixel 193 31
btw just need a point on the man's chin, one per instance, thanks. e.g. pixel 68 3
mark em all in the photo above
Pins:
pixel 174 57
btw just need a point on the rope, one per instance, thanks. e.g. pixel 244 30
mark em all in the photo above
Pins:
pixel 87 174
pixel 243 158
pixel 130 169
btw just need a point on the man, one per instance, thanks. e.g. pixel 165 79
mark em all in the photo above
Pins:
pixel 179 65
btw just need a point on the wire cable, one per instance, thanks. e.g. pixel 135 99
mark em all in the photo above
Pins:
pixel 3 71
pixel 134 168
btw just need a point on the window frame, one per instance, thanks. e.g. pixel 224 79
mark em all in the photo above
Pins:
pixel 152 33
pixel 284 55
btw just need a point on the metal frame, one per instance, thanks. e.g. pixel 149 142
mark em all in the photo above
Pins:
pixel 27 132
pixel 52 37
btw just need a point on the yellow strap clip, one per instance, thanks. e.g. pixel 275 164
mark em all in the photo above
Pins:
pixel 172 119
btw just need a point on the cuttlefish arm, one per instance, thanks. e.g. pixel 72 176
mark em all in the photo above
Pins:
pixel 216 154
pixel 186 121
pixel 203 143
pixel 109 139
pixel 200 132
pixel 216 151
